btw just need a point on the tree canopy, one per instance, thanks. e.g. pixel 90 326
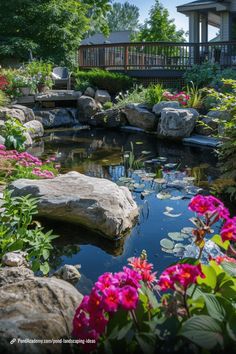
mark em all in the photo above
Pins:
pixel 159 27
pixel 51 29
pixel 123 17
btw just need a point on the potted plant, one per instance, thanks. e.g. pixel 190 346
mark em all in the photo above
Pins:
pixel 43 83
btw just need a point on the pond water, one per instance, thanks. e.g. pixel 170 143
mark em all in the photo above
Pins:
pixel 179 172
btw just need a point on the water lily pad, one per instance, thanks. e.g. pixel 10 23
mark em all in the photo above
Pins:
pixel 161 159
pixel 151 175
pixel 166 250
pixel 180 245
pixel 176 236
pixel 147 179
pixel 170 165
pixel 125 179
pixel 165 243
pixel 163 195
pixel 187 230
pixel 172 215
pixel 178 197
pixel 169 209
pixel 160 180
pixel 139 142
pixel 189 179
pixel 144 152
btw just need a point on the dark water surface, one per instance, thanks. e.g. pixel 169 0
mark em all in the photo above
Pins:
pixel 101 153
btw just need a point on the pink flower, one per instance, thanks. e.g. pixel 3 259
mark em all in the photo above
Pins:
pixel 228 230
pixel 98 322
pixel 2 147
pixel 140 264
pixel 105 281
pixel 180 274
pixel 220 259
pixel 95 302
pixel 208 206
pixel 128 297
pixel 111 299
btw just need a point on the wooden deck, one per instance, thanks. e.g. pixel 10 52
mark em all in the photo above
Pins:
pixel 148 59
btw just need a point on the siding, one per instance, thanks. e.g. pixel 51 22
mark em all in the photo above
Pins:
pixel 224 30
pixel 233 5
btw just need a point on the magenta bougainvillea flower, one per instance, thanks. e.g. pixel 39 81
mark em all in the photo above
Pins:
pixel 180 275
pixel 228 230
pixel 128 298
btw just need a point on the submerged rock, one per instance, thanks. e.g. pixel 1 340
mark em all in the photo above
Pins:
pixel 96 203
pixel 59 117
pixel 139 116
pixel 69 273
pixel 34 308
pixel 176 123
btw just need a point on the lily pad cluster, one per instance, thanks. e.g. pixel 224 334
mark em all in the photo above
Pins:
pixel 175 244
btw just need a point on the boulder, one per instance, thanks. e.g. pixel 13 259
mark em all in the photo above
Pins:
pixel 89 92
pixel 2 140
pixel 96 203
pixel 34 308
pixel 13 112
pixel 158 107
pixel 139 116
pixel 102 96
pixel 28 141
pixel 222 115
pixel 176 123
pixel 59 117
pixel 111 118
pixel 87 107
pixel 69 273
pixel 34 128
pixel 14 259
pixel 28 112
pixel 207 126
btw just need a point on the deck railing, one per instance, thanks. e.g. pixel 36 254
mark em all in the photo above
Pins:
pixel 150 55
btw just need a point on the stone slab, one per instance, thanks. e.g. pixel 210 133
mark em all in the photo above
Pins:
pixel 202 140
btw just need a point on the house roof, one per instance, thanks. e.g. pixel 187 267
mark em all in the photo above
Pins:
pixel 217 5
pixel 114 37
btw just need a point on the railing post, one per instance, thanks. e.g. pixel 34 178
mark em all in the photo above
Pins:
pixel 126 61
pixel 80 57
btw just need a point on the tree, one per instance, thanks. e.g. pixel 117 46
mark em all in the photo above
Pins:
pixel 159 27
pixel 50 29
pixel 97 10
pixel 123 17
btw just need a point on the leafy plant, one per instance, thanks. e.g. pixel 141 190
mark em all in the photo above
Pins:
pixel 105 80
pixel 195 96
pixel 19 232
pixel 108 105
pixel 154 94
pixel 3 99
pixel 14 134
pixel 137 95
pixel 41 71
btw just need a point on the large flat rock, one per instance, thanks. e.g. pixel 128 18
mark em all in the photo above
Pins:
pixel 95 203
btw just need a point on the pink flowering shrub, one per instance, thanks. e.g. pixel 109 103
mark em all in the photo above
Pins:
pixel 181 97
pixel 16 165
pixel 190 306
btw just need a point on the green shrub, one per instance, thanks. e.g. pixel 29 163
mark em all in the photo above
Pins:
pixel 14 134
pixel 137 95
pixel 104 80
pixel 19 232
pixel 154 94
pixel 3 99
pixel 195 96
pixel 108 105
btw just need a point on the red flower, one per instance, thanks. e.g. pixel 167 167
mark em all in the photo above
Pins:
pixel 111 299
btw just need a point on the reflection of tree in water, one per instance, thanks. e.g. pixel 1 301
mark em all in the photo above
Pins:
pixel 68 251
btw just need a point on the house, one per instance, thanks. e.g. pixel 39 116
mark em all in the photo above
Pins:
pixel 219 13
pixel 114 37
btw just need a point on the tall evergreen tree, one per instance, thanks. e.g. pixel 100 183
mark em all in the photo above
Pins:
pixel 123 17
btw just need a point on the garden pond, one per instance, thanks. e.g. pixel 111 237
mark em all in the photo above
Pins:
pixel 164 177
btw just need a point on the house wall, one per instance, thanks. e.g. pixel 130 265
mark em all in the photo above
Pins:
pixel 233 5
pixel 225 26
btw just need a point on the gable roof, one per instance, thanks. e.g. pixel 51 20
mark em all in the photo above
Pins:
pixel 114 37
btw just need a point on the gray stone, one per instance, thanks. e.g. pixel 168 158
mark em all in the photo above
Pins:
pixel 14 259
pixel 35 308
pixel 89 92
pixel 69 273
pixel 102 96
pixel 58 95
pixel 139 116
pixel 96 203
pixel 176 123
pixel 28 112
pixel 12 112
pixel 28 141
pixel 222 115
pixel 158 107
pixel 111 118
pixel 87 107
pixel 2 140
pixel 59 117
pixel 34 128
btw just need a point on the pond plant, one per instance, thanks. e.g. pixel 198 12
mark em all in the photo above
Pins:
pixel 189 307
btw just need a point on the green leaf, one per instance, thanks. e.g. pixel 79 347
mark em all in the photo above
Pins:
pixel 146 342
pixel 203 331
pixel 35 265
pixel 44 268
pixel 124 330
pixel 18 245
pixel 214 308
pixel 210 279
pixel 46 254
pixel 231 327
pixel 229 267
pixel 218 241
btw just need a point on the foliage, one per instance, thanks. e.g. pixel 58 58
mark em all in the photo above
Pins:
pixel 123 17
pixel 49 29
pixel 211 98
pixel 159 27
pixel 96 13
pixel 154 94
pixel 208 74
pixel 195 314
pixel 101 79
pixel 181 97
pixel 227 149
pixel 15 165
pixel 18 231
pixel 41 72
pixel 137 95
pixel 14 134
pixel 195 96
pixel 107 105
pixel 3 99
